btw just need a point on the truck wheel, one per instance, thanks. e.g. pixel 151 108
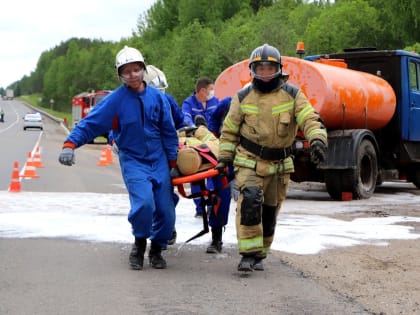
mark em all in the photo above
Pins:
pixel 366 172
pixel 361 181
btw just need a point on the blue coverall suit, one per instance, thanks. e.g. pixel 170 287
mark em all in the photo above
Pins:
pixel 215 122
pixel 217 116
pixel 178 117
pixel 144 132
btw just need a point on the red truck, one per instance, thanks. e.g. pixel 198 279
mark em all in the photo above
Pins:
pixel 83 103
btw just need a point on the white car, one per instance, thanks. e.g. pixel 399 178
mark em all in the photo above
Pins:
pixel 33 121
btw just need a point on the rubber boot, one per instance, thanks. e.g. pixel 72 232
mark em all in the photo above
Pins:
pixel 216 243
pixel 258 264
pixel 155 257
pixel 247 262
pixel 137 253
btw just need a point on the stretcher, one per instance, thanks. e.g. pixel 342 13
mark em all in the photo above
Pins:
pixel 208 197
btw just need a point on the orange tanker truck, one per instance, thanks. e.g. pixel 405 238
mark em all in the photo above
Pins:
pixel 370 102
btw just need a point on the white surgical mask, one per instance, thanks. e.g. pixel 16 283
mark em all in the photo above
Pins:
pixel 211 95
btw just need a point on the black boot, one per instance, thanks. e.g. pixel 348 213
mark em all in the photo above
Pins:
pixel 258 264
pixel 216 243
pixel 137 253
pixel 172 240
pixel 247 263
pixel 155 257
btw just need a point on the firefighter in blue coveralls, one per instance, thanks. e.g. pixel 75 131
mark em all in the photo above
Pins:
pixel 143 129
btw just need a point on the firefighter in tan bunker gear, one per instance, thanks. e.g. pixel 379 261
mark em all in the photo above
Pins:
pixel 256 137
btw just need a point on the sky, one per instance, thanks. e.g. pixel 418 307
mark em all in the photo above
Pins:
pixel 304 227
pixel 28 28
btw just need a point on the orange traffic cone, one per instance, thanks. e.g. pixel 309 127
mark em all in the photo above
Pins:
pixel 103 160
pixel 15 183
pixel 37 159
pixel 29 168
pixel 109 157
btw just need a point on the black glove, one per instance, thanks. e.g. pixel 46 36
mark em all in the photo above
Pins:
pixel 67 156
pixel 200 120
pixel 318 152
pixel 222 165
pixel 175 172
pixel 189 130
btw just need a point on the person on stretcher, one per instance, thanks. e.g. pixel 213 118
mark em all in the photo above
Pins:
pixel 198 151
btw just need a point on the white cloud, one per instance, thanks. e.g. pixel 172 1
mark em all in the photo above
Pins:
pixel 28 28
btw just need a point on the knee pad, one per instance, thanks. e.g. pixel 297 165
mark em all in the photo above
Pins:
pixel 268 220
pixel 251 206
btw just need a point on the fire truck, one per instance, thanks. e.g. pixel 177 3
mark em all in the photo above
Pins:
pixel 83 103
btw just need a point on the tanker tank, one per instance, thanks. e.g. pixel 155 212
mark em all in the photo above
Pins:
pixel 344 98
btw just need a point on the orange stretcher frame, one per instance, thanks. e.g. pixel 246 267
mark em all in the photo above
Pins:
pixel 205 195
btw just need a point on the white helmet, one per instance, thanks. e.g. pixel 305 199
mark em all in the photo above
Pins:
pixel 155 77
pixel 128 55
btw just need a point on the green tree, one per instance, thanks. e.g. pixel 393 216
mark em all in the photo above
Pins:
pixel 399 21
pixel 193 56
pixel 346 24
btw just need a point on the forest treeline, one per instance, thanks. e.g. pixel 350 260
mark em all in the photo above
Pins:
pixel 188 39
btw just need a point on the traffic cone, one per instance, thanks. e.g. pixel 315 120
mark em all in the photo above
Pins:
pixel 103 160
pixel 37 159
pixel 30 170
pixel 15 183
pixel 109 157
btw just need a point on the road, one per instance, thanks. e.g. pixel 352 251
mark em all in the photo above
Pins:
pixel 16 143
pixel 61 276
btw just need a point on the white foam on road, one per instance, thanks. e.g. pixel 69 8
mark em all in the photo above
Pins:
pixel 303 227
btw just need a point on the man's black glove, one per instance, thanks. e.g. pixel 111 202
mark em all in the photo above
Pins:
pixel 175 172
pixel 189 131
pixel 222 165
pixel 67 156
pixel 318 151
pixel 200 120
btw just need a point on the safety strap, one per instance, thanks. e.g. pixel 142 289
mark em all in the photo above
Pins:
pixel 205 152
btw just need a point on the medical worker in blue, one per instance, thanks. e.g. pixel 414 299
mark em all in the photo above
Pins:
pixel 201 103
pixel 197 109
pixel 143 129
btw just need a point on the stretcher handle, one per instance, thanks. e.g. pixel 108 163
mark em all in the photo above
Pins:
pixel 195 177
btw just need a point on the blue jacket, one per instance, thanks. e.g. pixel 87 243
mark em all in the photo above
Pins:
pixel 177 114
pixel 141 122
pixel 218 115
pixel 191 107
